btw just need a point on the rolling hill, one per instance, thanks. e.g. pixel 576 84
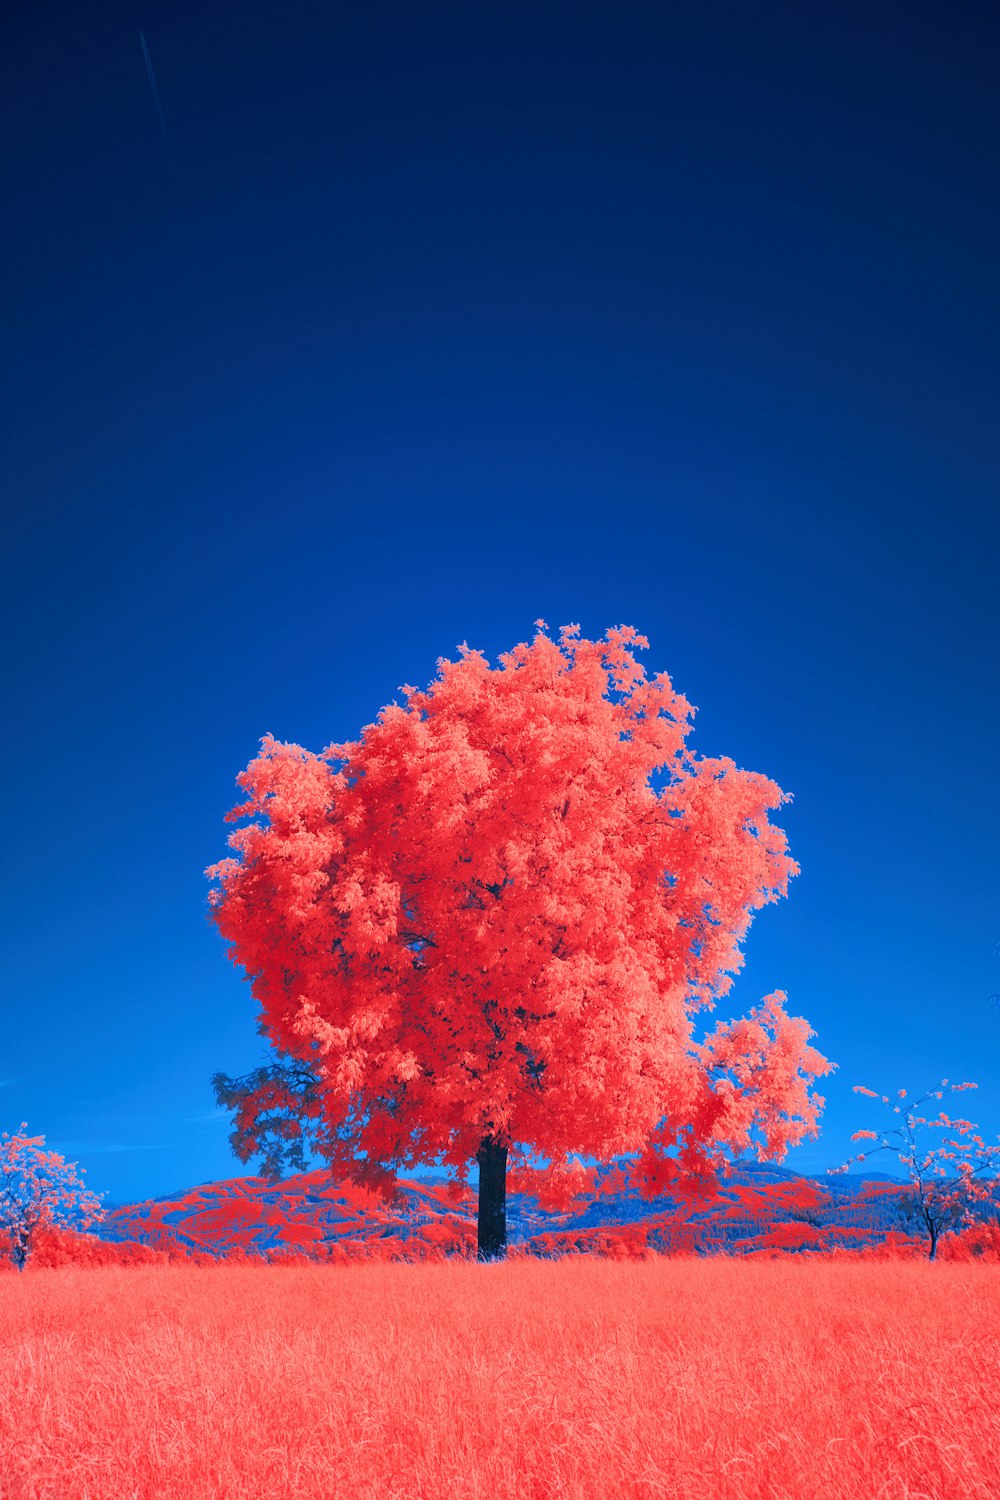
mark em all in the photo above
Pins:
pixel 759 1209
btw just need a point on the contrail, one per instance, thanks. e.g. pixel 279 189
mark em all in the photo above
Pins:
pixel 156 99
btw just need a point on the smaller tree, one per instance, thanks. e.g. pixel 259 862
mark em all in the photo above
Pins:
pixel 37 1187
pixel 949 1179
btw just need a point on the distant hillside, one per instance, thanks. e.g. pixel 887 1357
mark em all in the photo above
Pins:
pixel 759 1208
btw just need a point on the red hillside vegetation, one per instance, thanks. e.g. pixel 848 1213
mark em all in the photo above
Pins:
pixel 754 1213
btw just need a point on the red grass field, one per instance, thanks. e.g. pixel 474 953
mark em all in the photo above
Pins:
pixel 692 1379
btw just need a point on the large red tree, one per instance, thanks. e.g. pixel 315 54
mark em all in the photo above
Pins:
pixel 482 932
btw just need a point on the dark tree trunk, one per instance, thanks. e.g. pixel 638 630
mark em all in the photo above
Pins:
pixel 492 1159
pixel 20 1246
pixel 934 1240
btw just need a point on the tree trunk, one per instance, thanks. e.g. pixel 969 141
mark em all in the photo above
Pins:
pixel 492 1159
pixel 934 1240
pixel 20 1246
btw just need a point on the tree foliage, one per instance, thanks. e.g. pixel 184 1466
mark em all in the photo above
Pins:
pixel 39 1189
pixel 494 918
pixel 947 1180
pixel 277 1113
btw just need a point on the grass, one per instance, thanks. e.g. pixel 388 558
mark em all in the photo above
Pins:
pixel 577 1379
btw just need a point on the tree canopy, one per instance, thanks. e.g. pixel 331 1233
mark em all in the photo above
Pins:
pixel 495 916
pixel 949 1180
pixel 38 1188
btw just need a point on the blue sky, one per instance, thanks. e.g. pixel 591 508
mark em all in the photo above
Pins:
pixel 440 319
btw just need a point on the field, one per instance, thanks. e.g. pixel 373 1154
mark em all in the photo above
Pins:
pixel 695 1379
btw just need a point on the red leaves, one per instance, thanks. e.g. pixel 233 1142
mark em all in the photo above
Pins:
pixel 763 1066
pixel 947 1181
pixel 39 1189
pixel 481 918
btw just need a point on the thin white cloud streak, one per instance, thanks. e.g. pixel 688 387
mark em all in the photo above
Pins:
pixel 96 1148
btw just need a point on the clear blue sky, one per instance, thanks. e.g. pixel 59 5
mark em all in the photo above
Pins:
pixel 441 318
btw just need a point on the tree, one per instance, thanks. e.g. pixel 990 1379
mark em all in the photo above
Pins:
pixel 947 1180
pixel 481 932
pixel 38 1188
